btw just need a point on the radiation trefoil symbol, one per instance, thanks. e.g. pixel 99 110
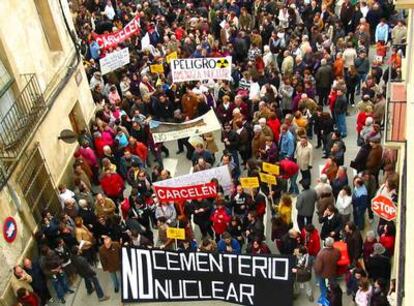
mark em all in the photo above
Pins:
pixel 222 63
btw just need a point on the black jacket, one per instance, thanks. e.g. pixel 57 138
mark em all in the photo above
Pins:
pixel 330 225
pixel 379 266
pixel 361 159
pixel 354 242
pixel 201 217
pixel 82 266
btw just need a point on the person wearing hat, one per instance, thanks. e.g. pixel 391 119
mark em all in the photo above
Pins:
pixel 305 204
pixel 379 265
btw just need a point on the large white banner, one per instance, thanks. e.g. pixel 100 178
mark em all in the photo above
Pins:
pixel 114 60
pixel 165 131
pixel 222 174
pixel 198 69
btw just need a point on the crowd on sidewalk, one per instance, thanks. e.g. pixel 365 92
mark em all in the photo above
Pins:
pixel 298 68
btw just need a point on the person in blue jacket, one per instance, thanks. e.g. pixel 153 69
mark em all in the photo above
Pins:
pixel 286 143
pixel 359 202
pixel 228 244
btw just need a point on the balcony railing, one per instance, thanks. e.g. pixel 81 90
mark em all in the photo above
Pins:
pixel 18 124
pixel 396 113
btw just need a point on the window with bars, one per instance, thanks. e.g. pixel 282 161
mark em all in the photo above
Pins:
pixel 37 185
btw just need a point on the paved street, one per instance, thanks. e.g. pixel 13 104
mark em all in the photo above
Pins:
pixel 179 165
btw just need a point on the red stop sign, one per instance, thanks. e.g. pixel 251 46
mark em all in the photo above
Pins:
pixel 384 207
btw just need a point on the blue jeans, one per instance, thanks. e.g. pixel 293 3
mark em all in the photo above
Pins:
pixel 359 217
pixel 293 186
pixel 235 155
pixel 341 124
pixel 115 279
pixel 60 284
pixel 93 280
pixel 323 299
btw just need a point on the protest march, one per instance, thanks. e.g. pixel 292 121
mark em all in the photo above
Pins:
pixel 282 191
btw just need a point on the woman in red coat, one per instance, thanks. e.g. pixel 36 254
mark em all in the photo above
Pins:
pixel 311 239
pixel 112 184
pixel 274 123
pixel 27 298
pixel 220 219
pixel 331 100
pixel 387 238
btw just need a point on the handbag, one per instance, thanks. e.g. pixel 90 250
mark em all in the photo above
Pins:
pixel 303 275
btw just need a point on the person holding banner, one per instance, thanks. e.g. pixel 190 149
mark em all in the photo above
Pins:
pixel 228 244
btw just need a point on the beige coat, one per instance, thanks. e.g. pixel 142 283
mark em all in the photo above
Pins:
pixel 23 282
pixel 210 143
pixel 304 156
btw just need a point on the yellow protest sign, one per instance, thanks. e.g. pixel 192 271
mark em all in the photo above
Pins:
pixel 267 178
pixel 270 168
pixel 157 68
pixel 175 233
pixel 249 182
pixel 171 56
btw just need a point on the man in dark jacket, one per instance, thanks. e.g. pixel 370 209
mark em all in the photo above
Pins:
pixel 230 138
pixel 88 274
pixel 38 280
pixel 201 209
pixel 340 109
pixel 325 266
pixel 332 223
pixel 353 240
pixel 305 204
pixel 379 265
pixel 324 79
pixel 255 228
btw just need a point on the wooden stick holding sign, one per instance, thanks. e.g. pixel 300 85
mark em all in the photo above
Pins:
pixel 269 180
pixel 176 233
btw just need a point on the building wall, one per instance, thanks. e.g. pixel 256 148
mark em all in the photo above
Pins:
pixel 25 49
pixel 24 41
pixel 409 245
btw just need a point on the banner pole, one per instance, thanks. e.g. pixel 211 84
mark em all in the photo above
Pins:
pixel 270 194
pixel 176 241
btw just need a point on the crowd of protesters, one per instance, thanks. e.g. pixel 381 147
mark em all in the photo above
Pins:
pixel 299 68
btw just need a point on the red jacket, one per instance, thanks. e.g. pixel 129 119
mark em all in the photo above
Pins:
pixel 31 299
pixel 275 127
pixel 220 219
pixel 140 150
pixel 112 184
pixel 331 100
pixel 312 242
pixel 100 142
pixel 362 116
pixel 288 168
pixel 388 242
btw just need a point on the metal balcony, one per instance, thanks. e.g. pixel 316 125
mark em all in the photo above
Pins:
pixel 18 124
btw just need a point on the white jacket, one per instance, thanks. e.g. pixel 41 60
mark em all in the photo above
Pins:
pixel 344 204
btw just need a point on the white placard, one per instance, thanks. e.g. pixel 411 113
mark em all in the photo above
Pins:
pixel 114 60
pixel 199 69
pixel 166 131
pixel 222 174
